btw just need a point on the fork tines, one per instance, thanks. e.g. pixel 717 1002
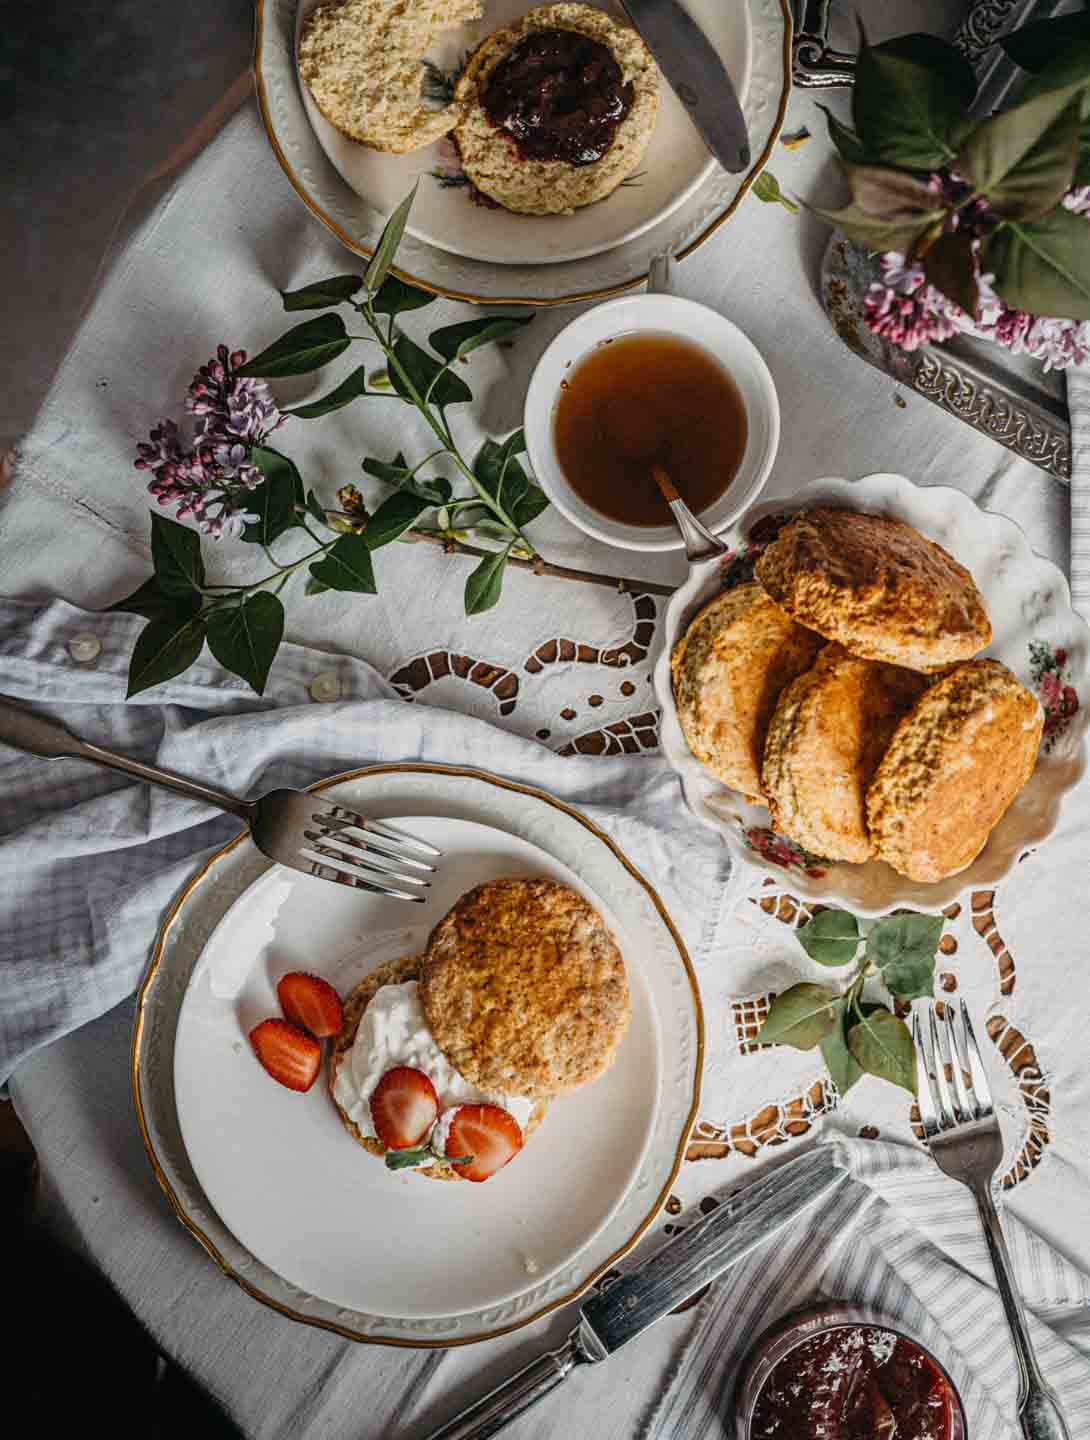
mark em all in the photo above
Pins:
pixel 368 855
pixel 950 1082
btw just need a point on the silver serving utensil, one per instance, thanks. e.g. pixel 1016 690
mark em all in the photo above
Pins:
pixel 963 1135
pixel 292 827
pixel 626 1307
pixel 697 77
pixel 700 542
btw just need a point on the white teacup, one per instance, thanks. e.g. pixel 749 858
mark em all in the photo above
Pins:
pixel 665 315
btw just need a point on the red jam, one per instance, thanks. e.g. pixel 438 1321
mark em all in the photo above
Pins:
pixel 856 1382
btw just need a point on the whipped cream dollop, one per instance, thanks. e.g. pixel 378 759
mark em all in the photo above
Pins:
pixel 393 1031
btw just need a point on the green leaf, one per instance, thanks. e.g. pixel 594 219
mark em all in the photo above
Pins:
pixel 1024 159
pixel 500 475
pixel 882 1044
pixel 323 293
pixel 315 508
pixel 484 584
pixel 878 232
pixel 314 587
pixel 245 638
pixel 950 265
pixel 831 937
pixel 348 390
pixel 395 296
pixel 347 566
pixel 1043 266
pixel 422 369
pixel 767 188
pixel 847 142
pixel 902 948
pixel 389 240
pixel 164 649
pixel 393 517
pixel 436 490
pixel 911 99
pixel 305 347
pixel 801 1017
pixel 454 342
pixel 530 506
pixel 176 555
pixel 155 603
pixel 274 501
pixel 1060 47
pixel 844 1069
pixel 894 194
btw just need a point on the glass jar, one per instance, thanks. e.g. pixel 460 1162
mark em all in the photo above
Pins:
pixel 810 1323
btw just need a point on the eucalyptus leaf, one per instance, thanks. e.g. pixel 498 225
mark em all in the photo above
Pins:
pixel 844 1069
pixel 902 948
pixel 1043 266
pixel 315 508
pixel 393 517
pixel 911 99
pixel 831 937
pixel 1060 47
pixel 395 296
pixel 801 1017
pixel 454 342
pixel 767 188
pixel 304 348
pixel 347 566
pixel 155 603
pixel 877 232
pixel 484 584
pixel 848 144
pixel 348 390
pixel 1024 159
pixel 176 555
pixel 950 265
pixel 322 294
pixel 388 243
pixel 273 501
pixel 245 638
pixel 882 1044
pixel 436 490
pixel 894 194
pixel 164 648
pixel 422 369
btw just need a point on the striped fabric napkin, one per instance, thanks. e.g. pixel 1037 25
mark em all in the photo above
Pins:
pixel 1078 402
pixel 903 1239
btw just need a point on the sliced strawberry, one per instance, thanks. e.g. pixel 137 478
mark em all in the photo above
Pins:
pixel 311 1002
pixel 289 1054
pixel 403 1107
pixel 488 1134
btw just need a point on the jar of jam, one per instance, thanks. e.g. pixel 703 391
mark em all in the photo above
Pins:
pixel 836 1371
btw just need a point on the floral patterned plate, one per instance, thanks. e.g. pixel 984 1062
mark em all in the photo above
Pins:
pixel 1035 632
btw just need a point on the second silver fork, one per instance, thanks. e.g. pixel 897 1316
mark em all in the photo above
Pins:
pixel 963 1135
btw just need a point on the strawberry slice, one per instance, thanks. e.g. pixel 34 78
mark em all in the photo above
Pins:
pixel 289 1054
pixel 489 1135
pixel 403 1107
pixel 311 1002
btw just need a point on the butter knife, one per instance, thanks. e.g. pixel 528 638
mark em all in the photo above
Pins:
pixel 697 77
pixel 626 1307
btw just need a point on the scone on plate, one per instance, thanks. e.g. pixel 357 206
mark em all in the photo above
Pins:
pixel 361 61
pixel 556 109
pixel 729 668
pixel 953 767
pixel 830 729
pixel 878 587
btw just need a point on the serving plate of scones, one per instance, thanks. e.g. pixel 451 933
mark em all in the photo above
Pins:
pixel 876 693
pixel 310 1059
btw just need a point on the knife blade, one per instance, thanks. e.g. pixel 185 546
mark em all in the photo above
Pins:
pixel 625 1308
pixel 697 77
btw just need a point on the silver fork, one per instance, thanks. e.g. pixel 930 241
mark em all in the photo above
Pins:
pixel 292 827
pixel 963 1135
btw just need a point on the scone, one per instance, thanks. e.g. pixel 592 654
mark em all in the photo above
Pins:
pixel 876 586
pixel 524 988
pixel 361 61
pixel 953 767
pixel 729 668
pixel 830 729
pixel 556 109
pixel 358 1060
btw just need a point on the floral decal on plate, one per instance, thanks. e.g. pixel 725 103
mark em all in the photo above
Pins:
pixel 778 850
pixel 1052 675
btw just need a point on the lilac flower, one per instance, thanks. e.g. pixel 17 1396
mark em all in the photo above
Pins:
pixel 904 309
pixel 1078 200
pixel 211 481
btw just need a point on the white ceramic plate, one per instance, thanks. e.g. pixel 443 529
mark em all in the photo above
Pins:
pixel 272 1183
pixel 1029 603
pixel 455 247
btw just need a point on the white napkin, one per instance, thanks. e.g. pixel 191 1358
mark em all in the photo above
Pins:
pixel 1078 403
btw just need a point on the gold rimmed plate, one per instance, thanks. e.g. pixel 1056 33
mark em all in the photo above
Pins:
pixel 304 1241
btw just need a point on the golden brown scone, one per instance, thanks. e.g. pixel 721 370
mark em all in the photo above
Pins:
pixel 955 763
pixel 729 668
pixel 830 729
pixel 878 587
pixel 394 972
pixel 524 988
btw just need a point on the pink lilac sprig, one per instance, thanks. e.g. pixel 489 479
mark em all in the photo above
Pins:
pixel 210 480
